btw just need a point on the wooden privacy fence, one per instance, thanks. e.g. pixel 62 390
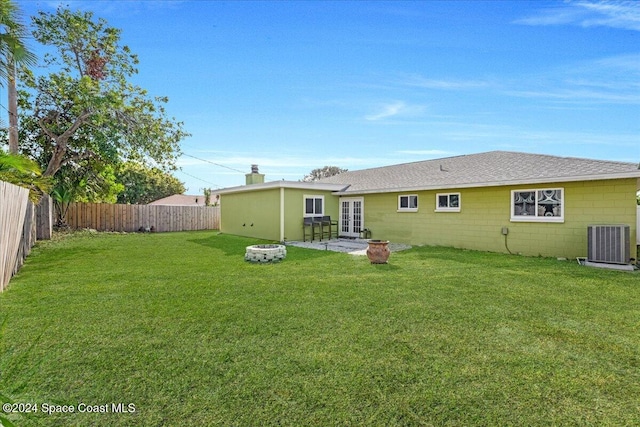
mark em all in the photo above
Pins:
pixel 14 208
pixel 109 217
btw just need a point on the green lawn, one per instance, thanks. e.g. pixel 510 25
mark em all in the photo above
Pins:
pixel 178 325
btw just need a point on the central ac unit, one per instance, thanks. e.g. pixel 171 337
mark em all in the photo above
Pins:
pixel 609 244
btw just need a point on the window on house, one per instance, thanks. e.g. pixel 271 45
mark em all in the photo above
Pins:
pixel 408 203
pixel 537 205
pixel 449 202
pixel 313 205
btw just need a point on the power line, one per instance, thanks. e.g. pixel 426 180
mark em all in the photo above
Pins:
pixel 213 163
pixel 199 179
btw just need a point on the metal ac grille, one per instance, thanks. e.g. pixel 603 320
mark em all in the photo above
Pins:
pixel 608 244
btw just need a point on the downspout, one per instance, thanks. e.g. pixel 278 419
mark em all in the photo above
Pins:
pixel 282 214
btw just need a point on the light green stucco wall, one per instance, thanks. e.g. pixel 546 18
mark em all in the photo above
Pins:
pixel 486 210
pixel 294 209
pixel 262 209
pixel 478 226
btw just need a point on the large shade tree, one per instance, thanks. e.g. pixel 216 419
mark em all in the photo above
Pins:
pixel 142 185
pixel 86 113
pixel 325 172
pixel 13 52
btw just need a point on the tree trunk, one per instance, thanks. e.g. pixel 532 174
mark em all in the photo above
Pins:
pixel 12 107
pixel 60 142
pixel 55 163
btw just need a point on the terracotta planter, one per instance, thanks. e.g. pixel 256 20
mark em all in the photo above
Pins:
pixel 378 251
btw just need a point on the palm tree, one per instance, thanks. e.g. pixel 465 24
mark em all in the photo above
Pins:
pixel 13 52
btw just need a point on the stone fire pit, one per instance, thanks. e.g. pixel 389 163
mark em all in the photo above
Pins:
pixel 265 253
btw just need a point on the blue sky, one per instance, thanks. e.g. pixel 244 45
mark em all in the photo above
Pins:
pixel 293 86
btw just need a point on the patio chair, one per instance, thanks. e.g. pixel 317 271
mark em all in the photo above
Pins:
pixel 323 227
pixel 309 224
pixel 328 222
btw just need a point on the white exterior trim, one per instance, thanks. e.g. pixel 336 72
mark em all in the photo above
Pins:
pixel 281 214
pixel 448 209
pixel 340 216
pixel 638 226
pixel 305 197
pixel 536 218
pixel 408 209
pixel 444 187
pixel 311 186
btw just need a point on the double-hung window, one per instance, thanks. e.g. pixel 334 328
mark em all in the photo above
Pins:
pixel 538 205
pixel 313 205
pixel 448 202
pixel 408 203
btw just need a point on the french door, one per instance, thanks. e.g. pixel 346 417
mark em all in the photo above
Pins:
pixel 351 216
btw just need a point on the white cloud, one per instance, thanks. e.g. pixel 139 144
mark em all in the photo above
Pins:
pixel 274 163
pixel 614 14
pixel 625 14
pixel 579 95
pixel 444 84
pixel 396 109
pixel 612 80
pixel 387 111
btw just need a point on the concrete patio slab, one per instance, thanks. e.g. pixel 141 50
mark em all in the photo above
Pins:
pixel 351 246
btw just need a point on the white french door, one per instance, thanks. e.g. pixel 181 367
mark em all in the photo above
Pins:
pixel 351 216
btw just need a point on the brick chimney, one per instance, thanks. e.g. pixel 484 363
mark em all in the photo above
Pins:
pixel 254 177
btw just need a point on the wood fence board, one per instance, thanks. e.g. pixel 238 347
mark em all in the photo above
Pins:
pixel 44 218
pixel 110 217
pixel 13 212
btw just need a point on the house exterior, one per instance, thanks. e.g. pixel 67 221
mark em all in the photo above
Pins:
pixel 183 200
pixel 275 210
pixel 496 201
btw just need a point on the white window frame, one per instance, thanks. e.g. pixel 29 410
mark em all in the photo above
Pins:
pixel 408 208
pixel 537 217
pixel 314 197
pixel 448 208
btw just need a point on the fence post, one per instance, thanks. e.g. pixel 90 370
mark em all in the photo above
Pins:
pixel 44 218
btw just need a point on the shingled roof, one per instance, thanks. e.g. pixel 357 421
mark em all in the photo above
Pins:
pixel 492 168
pixel 181 200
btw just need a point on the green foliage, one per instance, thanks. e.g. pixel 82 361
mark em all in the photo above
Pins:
pixel 324 172
pixel 207 196
pixel 87 109
pixel 438 337
pixel 24 172
pixel 90 180
pixel 142 185
pixel 102 188
pixel 83 182
pixel 13 52
pixel 13 35
pixel 62 196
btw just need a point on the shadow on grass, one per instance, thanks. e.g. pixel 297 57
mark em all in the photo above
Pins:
pixel 235 246
pixel 390 266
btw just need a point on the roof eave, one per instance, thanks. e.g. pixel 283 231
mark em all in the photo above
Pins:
pixel 597 177
pixel 283 184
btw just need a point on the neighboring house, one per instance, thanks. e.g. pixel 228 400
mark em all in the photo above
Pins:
pixel 183 200
pixel 544 203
